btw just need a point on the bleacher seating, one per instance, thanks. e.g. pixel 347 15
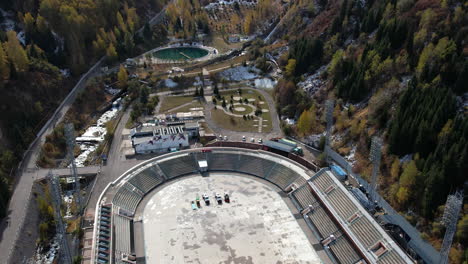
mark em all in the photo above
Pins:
pixel 256 166
pixel 126 199
pixel 122 235
pixel 304 197
pixel 343 251
pixel 322 222
pixel 391 257
pixel 342 204
pixel 146 180
pixel 223 161
pixel 282 176
pixel 322 181
pixel 366 232
pixel 179 166
pixel 299 181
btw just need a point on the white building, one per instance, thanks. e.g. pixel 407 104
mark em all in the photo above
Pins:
pixel 162 139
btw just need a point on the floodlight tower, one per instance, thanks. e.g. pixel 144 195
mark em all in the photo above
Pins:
pixel 329 118
pixel 54 186
pixel 70 137
pixel 375 156
pixel 450 218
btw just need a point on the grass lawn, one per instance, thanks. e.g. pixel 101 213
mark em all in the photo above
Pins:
pixel 170 102
pixel 249 94
pixel 246 93
pixel 233 123
pixel 269 126
pixel 194 104
pixel 248 109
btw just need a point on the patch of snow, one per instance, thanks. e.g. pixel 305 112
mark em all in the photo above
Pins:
pixel 49 256
pixel 21 37
pixel 170 83
pixel 65 72
pixel 406 158
pixel 87 150
pixel 68 200
pixel 265 83
pixel 111 91
pixel 94 135
pixel 197 82
pixel 351 156
pixel 60 41
pixel 240 73
pixel 313 82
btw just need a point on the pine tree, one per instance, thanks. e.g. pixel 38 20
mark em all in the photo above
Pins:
pixel 16 53
pixel 147 31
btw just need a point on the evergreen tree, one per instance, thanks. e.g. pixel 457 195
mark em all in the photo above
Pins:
pixel 147 31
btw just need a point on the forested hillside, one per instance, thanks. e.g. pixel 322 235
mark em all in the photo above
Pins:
pixel 44 47
pixel 398 70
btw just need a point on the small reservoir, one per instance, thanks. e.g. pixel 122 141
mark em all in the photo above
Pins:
pixel 180 53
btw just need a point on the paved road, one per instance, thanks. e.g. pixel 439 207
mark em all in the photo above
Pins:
pixel 116 165
pixel 28 172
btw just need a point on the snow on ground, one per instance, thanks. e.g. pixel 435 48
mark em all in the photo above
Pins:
pixel 49 256
pixel 198 81
pixel 87 150
pixel 265 83
pixel 351 156
pixel 240 73
pixel 170 83
pixel 68 199
pixel 65 72
pixel 21 37
pixel 220 3
pixel 313 83
pixel 95 134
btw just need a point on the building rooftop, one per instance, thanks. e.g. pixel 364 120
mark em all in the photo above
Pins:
pixel 278 146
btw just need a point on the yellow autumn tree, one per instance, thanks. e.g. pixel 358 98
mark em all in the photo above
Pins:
pixel 304 124
pixel 16 53
pixel 122 77
pixel 4 69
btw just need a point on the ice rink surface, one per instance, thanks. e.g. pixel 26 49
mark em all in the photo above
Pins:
pixel 255 227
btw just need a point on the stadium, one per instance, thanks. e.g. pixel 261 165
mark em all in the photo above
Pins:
pixel 277 211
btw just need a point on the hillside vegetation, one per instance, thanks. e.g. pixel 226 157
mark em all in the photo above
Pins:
pixel 398 70
pixel 51 44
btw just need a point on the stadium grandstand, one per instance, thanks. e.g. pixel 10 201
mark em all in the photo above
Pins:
pixel 347 232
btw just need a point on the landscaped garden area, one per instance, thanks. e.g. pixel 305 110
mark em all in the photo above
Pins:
pixel 242 110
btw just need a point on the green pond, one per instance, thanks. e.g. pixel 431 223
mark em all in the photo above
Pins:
pixel 181 53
